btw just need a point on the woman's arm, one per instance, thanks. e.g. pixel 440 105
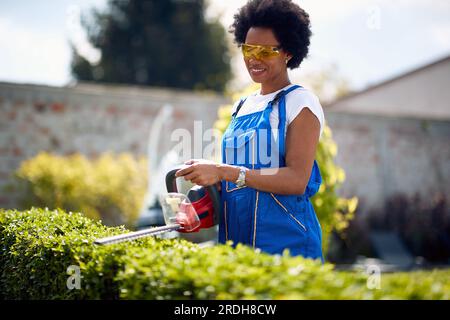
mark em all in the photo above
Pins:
pixel 301 142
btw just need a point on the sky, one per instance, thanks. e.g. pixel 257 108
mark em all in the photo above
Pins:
pixel 363 41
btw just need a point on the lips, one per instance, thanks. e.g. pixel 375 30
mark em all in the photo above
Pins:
pixel 256 70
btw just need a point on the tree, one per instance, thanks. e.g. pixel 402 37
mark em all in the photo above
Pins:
pixel 165 43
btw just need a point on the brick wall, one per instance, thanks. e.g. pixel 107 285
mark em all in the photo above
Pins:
pixel 90 119
pixel 382 156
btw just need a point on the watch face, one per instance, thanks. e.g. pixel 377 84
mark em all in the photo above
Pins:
pixel 241 178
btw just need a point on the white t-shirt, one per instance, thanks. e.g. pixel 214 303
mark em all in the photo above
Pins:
pixel 296 100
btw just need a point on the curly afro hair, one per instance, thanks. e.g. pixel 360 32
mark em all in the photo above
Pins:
pixel 289 23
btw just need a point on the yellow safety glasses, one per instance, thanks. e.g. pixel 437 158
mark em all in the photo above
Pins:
pixel 259 52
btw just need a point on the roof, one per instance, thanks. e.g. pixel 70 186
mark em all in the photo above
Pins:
pixel 421 93
pixel 109 89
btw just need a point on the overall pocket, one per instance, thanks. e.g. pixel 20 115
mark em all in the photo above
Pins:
pixel 294 211
pixel 280 226
pixel 240 150
pixel 239 214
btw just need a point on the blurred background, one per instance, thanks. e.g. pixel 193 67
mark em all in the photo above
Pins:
pixel 91 92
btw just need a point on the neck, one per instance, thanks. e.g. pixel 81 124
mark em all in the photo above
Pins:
pixel 273 86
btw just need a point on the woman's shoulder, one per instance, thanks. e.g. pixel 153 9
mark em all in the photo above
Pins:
pixel 304 98
pixel 305 95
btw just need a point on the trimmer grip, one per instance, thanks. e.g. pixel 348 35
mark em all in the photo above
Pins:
pixel 171 184
pixel 171 180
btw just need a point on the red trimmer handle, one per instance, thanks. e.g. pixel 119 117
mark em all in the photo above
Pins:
pixel 171 185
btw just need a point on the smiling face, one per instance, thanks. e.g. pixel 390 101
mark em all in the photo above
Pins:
pixel 270 71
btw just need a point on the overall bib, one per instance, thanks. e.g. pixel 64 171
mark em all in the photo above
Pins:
pixel 265 220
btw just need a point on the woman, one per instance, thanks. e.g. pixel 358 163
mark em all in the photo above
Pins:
pixel 269 172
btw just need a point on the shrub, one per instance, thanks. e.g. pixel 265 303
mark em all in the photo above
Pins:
pixel 334 212
pixel 422 224
pixel 39 245
pixel 110 188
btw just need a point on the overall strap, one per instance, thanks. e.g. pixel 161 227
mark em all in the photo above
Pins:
pixel 281 99
pixel 238 107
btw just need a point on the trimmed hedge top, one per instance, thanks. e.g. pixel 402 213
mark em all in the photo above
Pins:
pixel 39 245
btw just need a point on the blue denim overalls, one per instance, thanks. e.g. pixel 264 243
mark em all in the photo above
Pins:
pixel 264 220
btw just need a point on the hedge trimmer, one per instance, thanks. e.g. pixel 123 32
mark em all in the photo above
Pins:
pixel 199 209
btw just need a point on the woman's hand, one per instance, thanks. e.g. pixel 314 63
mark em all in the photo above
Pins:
pixel 201 172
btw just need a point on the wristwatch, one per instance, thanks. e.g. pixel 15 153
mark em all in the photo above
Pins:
pixel 240 182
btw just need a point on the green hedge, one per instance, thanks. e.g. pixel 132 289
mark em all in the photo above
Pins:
pixel 39 245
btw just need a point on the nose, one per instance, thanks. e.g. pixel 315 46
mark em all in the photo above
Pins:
pixel 253 59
